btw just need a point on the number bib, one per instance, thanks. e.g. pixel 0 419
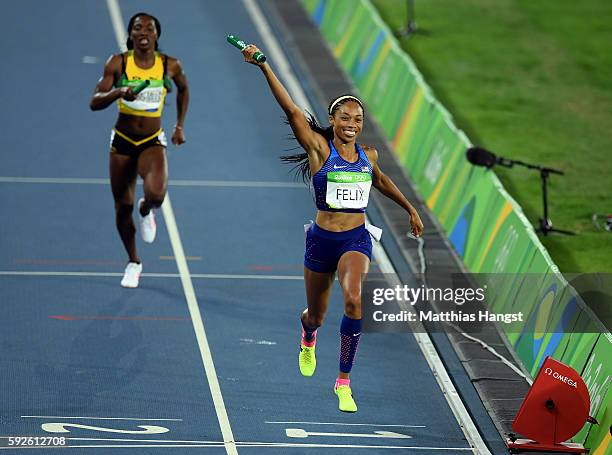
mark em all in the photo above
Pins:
pixel 147 100
pixel 348 190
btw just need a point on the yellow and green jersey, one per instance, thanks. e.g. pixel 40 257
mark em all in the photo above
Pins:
pixel 150 101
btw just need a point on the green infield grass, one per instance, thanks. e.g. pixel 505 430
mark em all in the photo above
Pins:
pixel 529 80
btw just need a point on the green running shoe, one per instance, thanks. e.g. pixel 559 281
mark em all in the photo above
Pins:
pixel 308 361
pixel 345 399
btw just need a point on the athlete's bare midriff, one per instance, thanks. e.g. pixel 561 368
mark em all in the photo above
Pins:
pixel 338 221
pixel 137 125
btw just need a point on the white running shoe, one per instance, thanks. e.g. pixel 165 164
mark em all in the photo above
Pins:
pixel 148 228
pixel 131 276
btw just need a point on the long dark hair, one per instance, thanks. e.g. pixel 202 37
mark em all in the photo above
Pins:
pixel 300 160
pixel 129 43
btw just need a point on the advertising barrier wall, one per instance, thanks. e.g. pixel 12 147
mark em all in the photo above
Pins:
pixel 484 224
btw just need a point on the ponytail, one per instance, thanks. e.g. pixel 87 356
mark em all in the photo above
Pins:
pixel 300 160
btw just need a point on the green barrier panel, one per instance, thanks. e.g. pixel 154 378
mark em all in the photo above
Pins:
pixel 445 201
pixel 597 375
pixel 509 257
pixel 407 87
pixel 376 78
pixel 579 348
pixel 539 314
pixel 425 141
pixel 503 289
pixel 540 262
pixel 562 319
pixel 408 123
pixel 311 5
pixel 354 38
pixel 442 180
pixel 581 327
pixel 388 92
pixel 511 248
pixel 467 234
pixel 489 217
pixel 506 298
pixel 417 128
pixel 529 291
pixel 439 150
pixel 365 69
pixel 430 148
pixel 458 209
pixel 506 260
pixel 358 69
pixel 335 21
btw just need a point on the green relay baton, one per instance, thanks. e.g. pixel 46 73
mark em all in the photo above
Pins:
pixel 140 87
pixel 237 42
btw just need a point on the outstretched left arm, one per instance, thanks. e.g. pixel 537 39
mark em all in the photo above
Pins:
pixel 175 71
pixel 385 185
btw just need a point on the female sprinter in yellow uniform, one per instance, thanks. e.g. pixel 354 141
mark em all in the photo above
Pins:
pixel 342 173
pixel 138 144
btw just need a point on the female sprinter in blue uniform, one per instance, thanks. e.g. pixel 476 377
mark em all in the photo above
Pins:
pixel 342 173
pixel 138 144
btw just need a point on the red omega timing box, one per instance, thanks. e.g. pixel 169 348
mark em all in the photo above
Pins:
pixel 554 410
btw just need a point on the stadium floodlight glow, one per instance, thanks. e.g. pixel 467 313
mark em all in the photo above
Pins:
pixel 479 156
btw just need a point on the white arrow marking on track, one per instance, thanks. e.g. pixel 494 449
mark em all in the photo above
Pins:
pixel 299 433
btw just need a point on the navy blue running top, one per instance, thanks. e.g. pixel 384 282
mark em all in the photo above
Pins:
pixel 342 186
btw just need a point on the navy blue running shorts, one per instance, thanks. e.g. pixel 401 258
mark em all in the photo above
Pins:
pixel 324 248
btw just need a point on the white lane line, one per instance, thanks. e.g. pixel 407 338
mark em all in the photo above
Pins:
pixel 103 418
pixel 237 184
pixel 189 258
pixel 183 183
pixel 90 59
pixel 255 445
pixel 198 326
pixel 112 446
pixel 273 50
pixel 62 180
pixel 267 445
pixel 351 424
pixel 158 441
pixel 207 276
pixel 117 21
pixel 214 276
pixel 181 262
pixel 350 446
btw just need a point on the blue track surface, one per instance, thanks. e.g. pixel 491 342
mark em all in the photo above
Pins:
pixel 79 349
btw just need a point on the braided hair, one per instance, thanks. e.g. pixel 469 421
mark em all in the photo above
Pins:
pixel 300 160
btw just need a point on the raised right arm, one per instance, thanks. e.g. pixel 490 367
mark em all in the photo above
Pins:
pixel 104 93
pixel 312 142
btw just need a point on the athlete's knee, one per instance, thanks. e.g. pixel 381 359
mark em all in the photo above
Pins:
pixel 123 209
pixel 352 303
pixel 316 320
pixel 313 319
pixel 123 218
pixel 155 193
pixel 155 200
